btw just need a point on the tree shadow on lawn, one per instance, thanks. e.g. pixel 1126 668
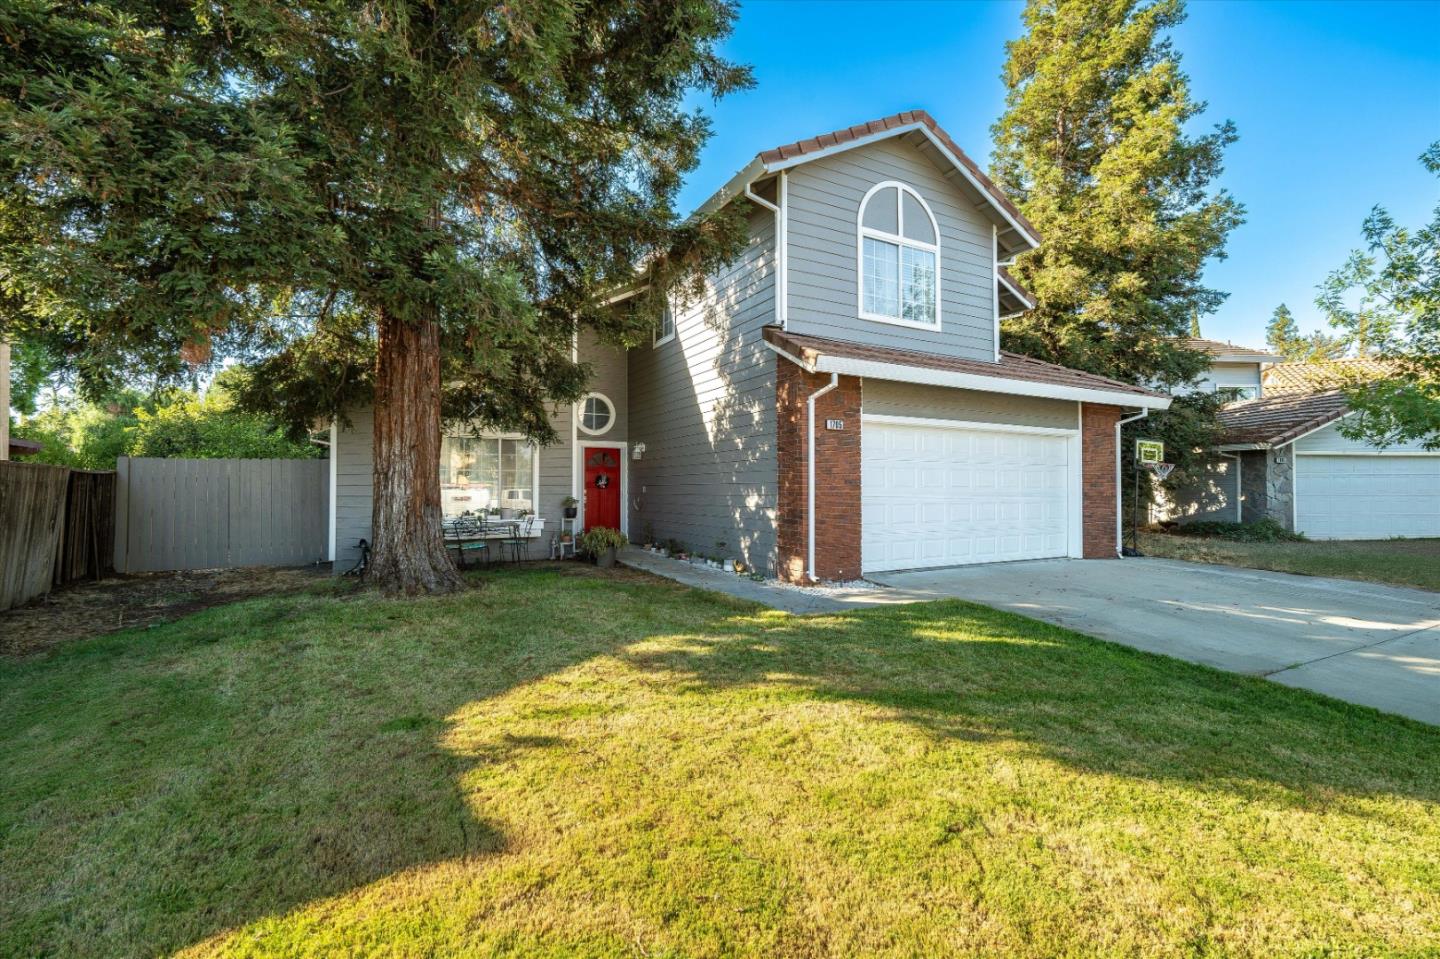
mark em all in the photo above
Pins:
pixel 966 672
pixel 166 785
pixel 175 784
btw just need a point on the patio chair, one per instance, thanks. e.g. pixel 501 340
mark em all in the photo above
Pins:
pixel 467 538
pixel 518 542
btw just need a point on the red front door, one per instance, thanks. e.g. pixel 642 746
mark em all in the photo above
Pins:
pixel 602 487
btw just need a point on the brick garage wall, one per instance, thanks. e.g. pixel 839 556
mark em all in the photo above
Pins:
pixel 1097 486
pixel 837 476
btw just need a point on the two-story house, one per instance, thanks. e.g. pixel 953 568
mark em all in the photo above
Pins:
pixel 1234 370
pixel 837 402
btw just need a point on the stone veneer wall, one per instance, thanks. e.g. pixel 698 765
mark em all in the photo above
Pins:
pixel 1267 485
pixel 1280 486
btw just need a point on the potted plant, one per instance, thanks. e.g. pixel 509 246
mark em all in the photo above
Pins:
pixel 571 506
pixel 602 542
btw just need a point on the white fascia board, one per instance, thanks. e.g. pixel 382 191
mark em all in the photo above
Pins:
pixel 807 367
pixel 927 376
pixel 1239 447
pixel 1016 292
pixel 737 183
pixel 1245 358
pixel 1325 425
pixel 935 141
pixel 733 187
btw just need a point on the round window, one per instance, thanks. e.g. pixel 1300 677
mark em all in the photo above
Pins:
pixel 596 414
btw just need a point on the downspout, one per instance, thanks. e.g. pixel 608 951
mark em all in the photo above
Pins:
pixel 782 245
pixel 1119 484
pixel 810 468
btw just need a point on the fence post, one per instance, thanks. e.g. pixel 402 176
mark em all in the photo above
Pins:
pixel 122 514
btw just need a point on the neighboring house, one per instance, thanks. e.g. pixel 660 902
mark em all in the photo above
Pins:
pixel 19 448
pixel 1236 370
pixel 1282 456
pixel 837 402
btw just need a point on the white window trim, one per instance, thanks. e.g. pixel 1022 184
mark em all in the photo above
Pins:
pixel 657 340
pixel 862 231
pixel 580 414
pixel 534 460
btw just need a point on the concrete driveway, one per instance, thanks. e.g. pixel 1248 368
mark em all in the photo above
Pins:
pixel 1374 645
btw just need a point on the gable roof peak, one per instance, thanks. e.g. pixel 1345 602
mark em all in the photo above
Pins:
pixel 1018 234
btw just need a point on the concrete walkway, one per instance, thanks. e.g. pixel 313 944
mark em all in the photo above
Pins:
pixel 1369 644
pixel 1374 645
pixel 789 598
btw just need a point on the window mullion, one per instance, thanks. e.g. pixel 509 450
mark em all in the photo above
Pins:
pixel 900 281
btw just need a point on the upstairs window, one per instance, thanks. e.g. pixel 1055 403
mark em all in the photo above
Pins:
pixel 665 332
pixel 899 257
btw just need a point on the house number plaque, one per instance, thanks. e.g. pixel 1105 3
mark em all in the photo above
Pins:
pixel 834 424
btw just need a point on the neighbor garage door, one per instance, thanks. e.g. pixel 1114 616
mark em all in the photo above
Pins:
pixel 948 496
pixel 1367 497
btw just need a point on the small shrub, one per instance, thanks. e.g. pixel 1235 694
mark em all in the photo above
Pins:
pixel 597 539
pixel 1262 531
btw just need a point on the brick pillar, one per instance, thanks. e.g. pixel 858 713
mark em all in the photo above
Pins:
pixel 1097 486
pixel 837 475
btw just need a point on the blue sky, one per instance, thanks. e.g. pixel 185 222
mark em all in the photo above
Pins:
pixel 1334 102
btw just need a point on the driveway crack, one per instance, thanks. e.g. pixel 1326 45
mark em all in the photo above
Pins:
pixel 1356 649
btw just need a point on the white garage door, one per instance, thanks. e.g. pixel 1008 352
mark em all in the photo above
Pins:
pixel 945 496
pixel 1367 497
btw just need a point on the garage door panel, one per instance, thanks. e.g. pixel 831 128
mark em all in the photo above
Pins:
pixel 999 496
pixel 1367 497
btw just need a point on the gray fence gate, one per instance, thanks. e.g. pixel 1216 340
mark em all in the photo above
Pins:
pixel 206 514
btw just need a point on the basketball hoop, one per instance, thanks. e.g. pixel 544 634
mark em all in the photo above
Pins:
pixel 1162 471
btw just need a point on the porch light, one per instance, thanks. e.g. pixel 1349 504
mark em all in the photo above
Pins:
pixel 637 451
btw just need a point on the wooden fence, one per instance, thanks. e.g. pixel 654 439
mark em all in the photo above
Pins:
pixel 56 526
pixel 206 514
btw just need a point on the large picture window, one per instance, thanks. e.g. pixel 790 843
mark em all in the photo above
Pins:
pixel 899 257
pixel 478 473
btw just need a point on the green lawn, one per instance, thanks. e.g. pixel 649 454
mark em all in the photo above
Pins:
pixel 1400 562
pixel 572 763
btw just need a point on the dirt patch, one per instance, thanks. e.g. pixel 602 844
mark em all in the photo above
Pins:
pixel 92 609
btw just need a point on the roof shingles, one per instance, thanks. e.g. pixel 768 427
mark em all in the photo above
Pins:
pixel 1285 378
pixel 1011 366
pixel 1277 420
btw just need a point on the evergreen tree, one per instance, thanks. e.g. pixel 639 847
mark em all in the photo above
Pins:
pixel 1094 148
pixel 418 202
pixel 1282 335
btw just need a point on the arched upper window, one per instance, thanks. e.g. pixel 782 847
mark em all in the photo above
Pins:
pixel 899 257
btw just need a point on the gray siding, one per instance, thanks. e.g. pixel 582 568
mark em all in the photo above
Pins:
pixel 608 375
pixel 704 406
pixel 889 398
pixel 354 467
pixel 1329 440
pixel 824 203
pixel 1210 496
pixel 1221 375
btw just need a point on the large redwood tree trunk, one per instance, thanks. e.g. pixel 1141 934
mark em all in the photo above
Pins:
pixel 408 550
